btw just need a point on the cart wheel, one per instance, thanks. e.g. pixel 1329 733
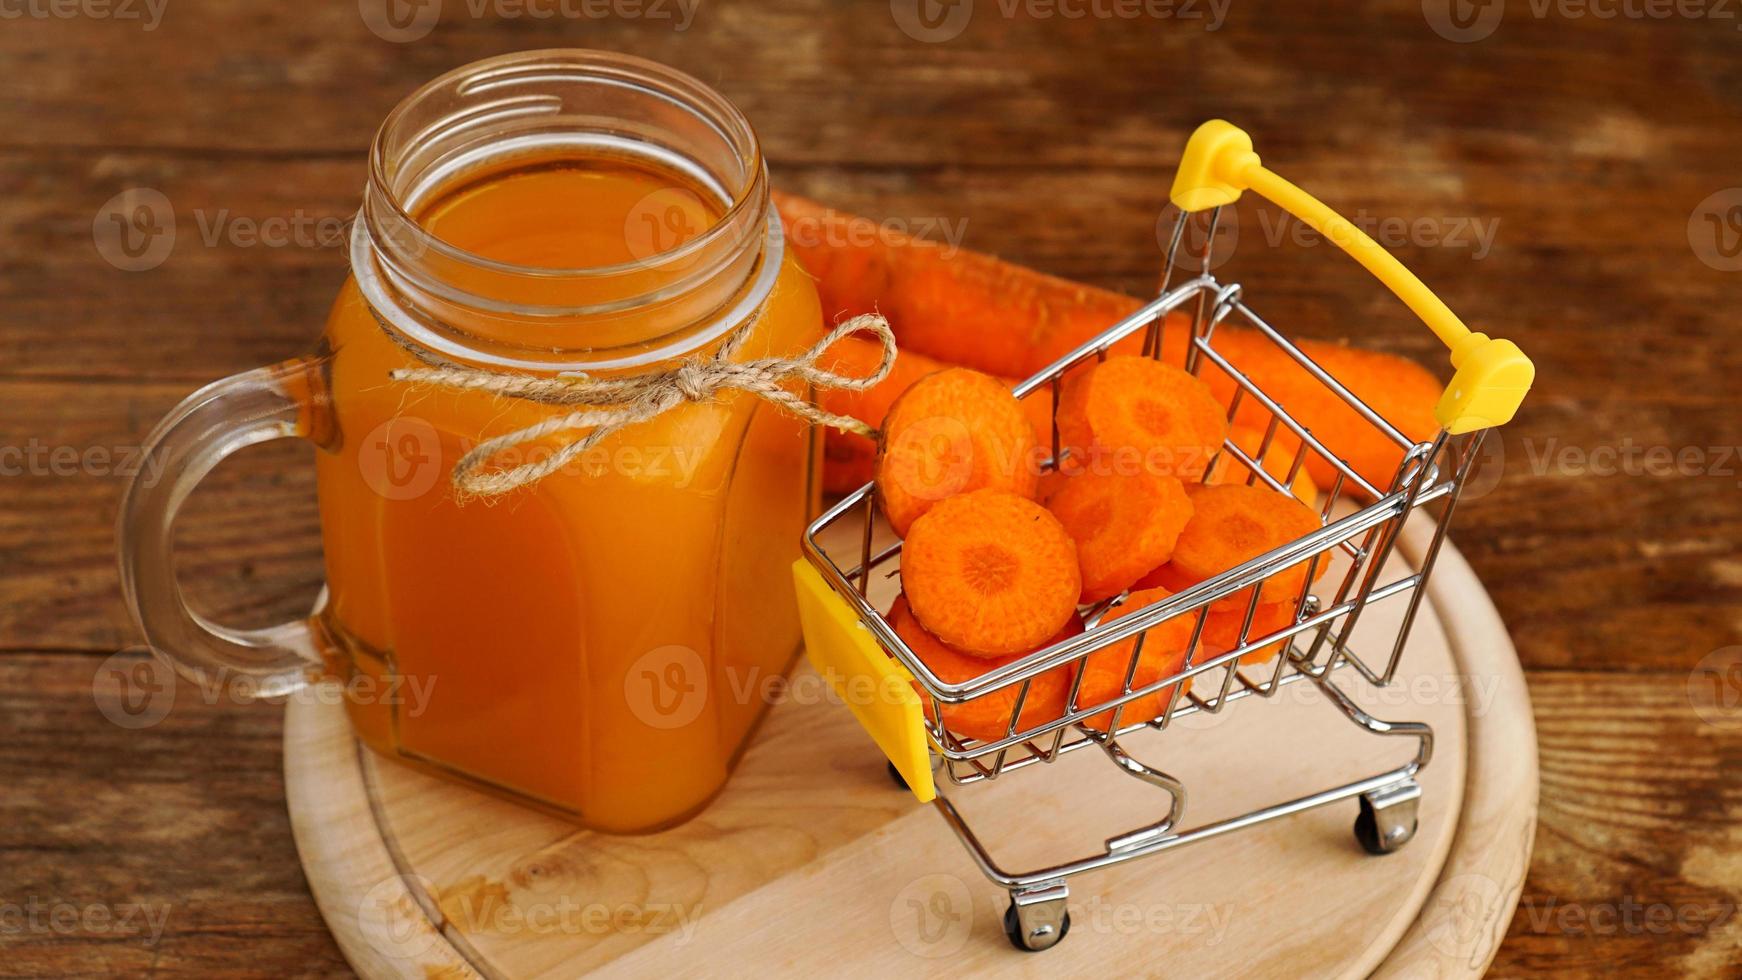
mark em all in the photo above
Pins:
pixel 896 777
pixel 1041 934
pixel 1387 820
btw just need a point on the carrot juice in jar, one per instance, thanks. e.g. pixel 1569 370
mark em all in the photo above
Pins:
pixel 597 638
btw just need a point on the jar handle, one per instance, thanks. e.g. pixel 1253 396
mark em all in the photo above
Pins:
pixel 275 402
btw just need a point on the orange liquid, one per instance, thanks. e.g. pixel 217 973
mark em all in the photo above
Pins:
pixel 599 642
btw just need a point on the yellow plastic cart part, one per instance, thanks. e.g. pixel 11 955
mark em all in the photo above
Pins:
pixel 874 685
pixel 1491 376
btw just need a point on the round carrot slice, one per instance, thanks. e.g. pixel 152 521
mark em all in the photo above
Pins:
pixel 1164 654
pixel 1123 525
pixel 1140 409
pixel 990 573
pixel 1277 461
pixel 1232 524
pixel 953 432
pixel 1222 629
pixel 987 717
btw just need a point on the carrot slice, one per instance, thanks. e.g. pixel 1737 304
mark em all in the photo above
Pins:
pixel 1164 653
pixel 990 573
pixel 1136 412
pixel 1232 524
pixel 953 432
pixel 1277 461
pixel 849 458
pixel 1124 525
pixel 987 717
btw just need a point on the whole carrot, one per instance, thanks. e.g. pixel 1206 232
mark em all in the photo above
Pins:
pixel 975 310
pixel 958 306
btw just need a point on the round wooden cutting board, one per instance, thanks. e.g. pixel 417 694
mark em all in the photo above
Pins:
pixel 812 863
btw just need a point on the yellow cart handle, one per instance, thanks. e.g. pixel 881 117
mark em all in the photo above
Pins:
pixel 1491 376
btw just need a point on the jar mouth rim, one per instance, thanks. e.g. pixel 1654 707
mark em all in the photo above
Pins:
pixel 397 317
pixel 598 65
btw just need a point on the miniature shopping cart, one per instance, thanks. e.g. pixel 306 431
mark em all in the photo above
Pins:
pixel 855 647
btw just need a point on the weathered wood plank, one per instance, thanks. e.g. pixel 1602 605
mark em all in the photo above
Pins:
pixel 159 849
pixel 1587 142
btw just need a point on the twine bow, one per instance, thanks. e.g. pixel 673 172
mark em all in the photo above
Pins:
pixel 616 403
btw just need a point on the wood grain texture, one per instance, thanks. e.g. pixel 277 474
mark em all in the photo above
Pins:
pixel 1590 141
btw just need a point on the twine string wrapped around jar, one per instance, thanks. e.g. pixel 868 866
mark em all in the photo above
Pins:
pixel 612 404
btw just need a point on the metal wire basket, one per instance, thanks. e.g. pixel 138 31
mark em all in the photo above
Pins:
pixel 851 641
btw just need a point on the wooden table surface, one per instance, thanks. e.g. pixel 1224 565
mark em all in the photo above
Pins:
pixel 1578 179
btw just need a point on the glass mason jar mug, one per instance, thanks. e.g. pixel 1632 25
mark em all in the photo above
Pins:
pixel 596 639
